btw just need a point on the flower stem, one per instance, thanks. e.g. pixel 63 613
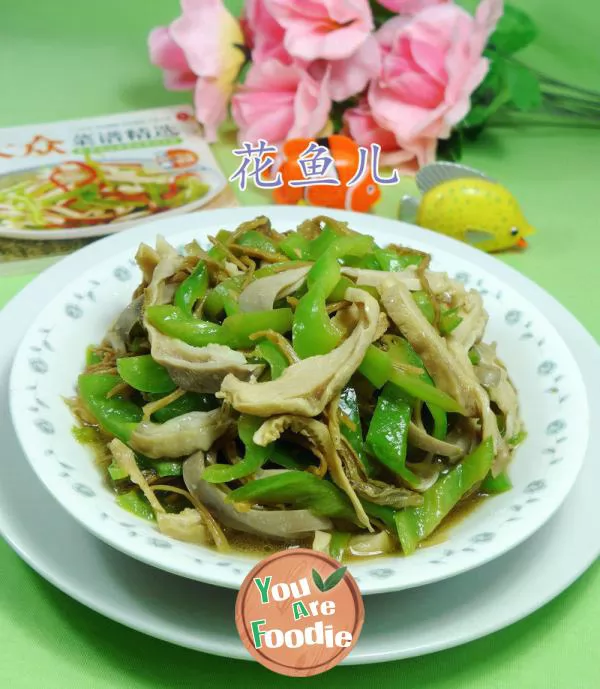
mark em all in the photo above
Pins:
pixel 548 116
pixel 547 80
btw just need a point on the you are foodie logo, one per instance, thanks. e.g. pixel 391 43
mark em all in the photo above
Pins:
pixel 299 613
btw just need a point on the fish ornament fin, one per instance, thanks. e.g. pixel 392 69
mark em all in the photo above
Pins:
pixel 431 175
pixel 409 206
pixel 475 237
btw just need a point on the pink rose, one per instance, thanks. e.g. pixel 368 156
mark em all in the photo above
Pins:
pixel 264 33
pixel 205 41
pixel 167 55
pixel 408 7
pixel 407 158
pixel 431 63
pixel 328 29
pixel 279 101
pixel 351 75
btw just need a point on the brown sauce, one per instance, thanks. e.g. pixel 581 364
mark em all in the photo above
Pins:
pixel 255 546
pixel 460 512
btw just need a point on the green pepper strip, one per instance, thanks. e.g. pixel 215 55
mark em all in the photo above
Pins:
pixel 254 456
pixel 299 488
pixel 329 243
pixel 114 415
pixel 144 374
pixel 384 513
pixel 392 262
pixel 235 331
pixel 217 252
pixel 340 289
pixel 91 356
pixel 517 439
pixel 161 468
pixel 498 484
pixel 378 368
pixel 191 401
pixel 257 240
pixel 368 261
pixel 192 289
pixel 324 274
pixel 474 356
pixel 282 453
pixel 273 355
pixel 387 436
pixel 224 296
pixel 449 318
pixel 167 468
pixel 313 332
pixel 414 524
pixel 338 544
pixel 316 247
pixel 172 321
pixel 137 504
pixel 425 305
pixel 294 246
pixel 402 352
pixel 272 268
pixel 349 407
pixel 115 472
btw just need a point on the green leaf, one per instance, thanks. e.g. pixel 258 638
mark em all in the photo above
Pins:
pixel 451 149
pixel 477 116
pixel 524 87
pixel 318 580
pixel 380 14
pixel 515 30
pixel 490 95
pixel 336 114
pixel 243 73
pixel 334 578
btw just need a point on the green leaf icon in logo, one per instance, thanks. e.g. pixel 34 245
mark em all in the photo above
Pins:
pixel 318 581
pixel 332 580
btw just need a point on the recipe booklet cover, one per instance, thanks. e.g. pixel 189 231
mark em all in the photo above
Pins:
pixel 64 184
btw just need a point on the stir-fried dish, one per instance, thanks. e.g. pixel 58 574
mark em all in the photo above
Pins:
pixel 83 193
pixel 301 387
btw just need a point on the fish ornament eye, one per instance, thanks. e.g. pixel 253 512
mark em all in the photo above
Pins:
pixel 371 189
pixel 514 231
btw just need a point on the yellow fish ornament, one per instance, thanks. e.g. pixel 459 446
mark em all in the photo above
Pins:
pixel 465 204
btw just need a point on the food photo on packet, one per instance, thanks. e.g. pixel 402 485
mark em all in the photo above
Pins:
pixel 310 385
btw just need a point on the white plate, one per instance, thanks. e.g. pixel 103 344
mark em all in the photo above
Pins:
pixel 201 617
pixel 525 321
pixel 208 175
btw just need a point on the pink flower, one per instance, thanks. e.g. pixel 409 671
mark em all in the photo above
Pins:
pixel 408 7
pixel 431 63
pixel 351 75
pixel 279 101
pixel 210 41
pixel 408 158
pixel 328 29
pixel 264 34
pixel 167 55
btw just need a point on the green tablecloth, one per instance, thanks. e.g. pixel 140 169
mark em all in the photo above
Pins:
pixel 69 58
